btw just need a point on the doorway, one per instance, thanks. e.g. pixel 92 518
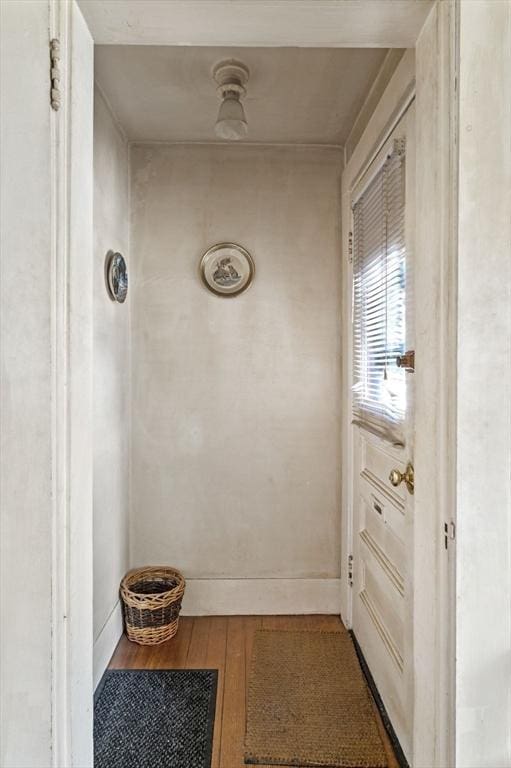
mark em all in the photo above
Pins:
pixel 76 544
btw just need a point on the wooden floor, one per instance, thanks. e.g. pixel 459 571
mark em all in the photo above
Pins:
pixel 223 643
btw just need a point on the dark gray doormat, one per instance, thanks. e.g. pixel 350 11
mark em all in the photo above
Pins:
pixel 155 718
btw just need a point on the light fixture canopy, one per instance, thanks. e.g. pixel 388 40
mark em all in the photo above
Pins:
pixel 231 76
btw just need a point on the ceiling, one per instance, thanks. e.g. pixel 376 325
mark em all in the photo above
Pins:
pixel 294 95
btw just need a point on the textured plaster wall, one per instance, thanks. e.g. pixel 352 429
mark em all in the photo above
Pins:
pixel 236 402
pixel 483 557
pixel 26 448
pixel 111 369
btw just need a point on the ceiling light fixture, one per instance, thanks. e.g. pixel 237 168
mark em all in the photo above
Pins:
pixel 231 76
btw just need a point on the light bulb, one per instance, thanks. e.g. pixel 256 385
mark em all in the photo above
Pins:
pixel 231 123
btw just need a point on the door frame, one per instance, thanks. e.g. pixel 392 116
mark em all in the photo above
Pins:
pixel 483 549
pixel 72 563
pixel 71 151
pixel 427 75
pixel 46 346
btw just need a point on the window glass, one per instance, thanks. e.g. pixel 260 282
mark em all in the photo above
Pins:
pixel 379 297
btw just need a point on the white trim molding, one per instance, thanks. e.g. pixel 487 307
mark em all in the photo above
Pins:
pixel 71 354
pixel 435 377
pixel 313 23
pixel 106 642
pixel 259 597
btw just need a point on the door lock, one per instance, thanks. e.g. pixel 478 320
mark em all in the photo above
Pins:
pixel 406 361
pixel 396 477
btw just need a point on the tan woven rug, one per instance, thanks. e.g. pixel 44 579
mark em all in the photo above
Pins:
pixel 308 703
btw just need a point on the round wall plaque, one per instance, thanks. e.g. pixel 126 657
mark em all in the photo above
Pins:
pixel 227 269
pixel 116 274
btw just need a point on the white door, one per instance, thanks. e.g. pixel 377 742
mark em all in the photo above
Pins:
pixel 383 422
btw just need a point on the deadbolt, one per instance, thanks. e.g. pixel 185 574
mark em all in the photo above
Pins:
pixel 407 361
pixel 396 477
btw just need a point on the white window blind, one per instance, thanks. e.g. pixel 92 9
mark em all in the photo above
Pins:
pixel 379 298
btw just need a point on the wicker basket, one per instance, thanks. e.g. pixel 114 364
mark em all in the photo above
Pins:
pixel 151 600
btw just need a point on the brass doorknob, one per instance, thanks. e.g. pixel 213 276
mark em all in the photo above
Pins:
pixel 396 477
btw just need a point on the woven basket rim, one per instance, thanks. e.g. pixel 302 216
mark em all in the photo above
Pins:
pixel 131 576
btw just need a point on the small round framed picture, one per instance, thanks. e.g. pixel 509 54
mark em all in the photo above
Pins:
pixel 116 274
pixel 227 269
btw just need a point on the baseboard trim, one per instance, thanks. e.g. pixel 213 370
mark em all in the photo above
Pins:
pixel 245 597
pixel 106 642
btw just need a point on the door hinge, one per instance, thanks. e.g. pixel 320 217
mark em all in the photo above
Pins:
pixel 55 97
pixel 449 532
pixel 350 570
pixel 350 247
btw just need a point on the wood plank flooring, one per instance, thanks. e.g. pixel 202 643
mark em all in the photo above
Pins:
pixel 223 643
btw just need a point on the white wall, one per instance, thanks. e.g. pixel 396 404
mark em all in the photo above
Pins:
pixel 236 402
pixel 483 652
pixel 46 399
pixel 26 379
pixel 111 384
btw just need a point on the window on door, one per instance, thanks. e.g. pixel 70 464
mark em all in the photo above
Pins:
pixel 379 298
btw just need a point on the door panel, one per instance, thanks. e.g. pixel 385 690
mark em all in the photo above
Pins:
pixel 383 520
pixel 382 591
